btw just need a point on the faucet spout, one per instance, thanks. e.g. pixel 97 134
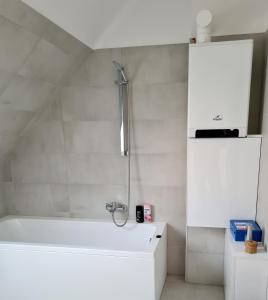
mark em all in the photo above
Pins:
pixel 112 207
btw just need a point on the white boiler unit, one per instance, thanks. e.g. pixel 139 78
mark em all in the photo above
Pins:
pixel 222 180
pixel 219 87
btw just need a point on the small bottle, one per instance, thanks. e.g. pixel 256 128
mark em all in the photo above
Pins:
pixel 147 213
pixel 249 233
pixel 139 214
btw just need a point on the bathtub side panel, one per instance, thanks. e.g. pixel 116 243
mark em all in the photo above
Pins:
pixel 71 276
pixel 160 264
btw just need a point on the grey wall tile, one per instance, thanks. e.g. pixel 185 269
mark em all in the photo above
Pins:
pixel 168 206
pixel 63 40
pixel 13 121
pixel 157 64
pixel 53 110
pixel 92 137
pixel 205 240
pixel 26 94
pixel 176 260
pixel 31 45
pixel 3 207
pixel 16 44
pixel 96 169
pixel 37 199
pixel 98 70
pixel 158 169
pixel 89 200
pixel 7 143
pixel 162 101
pixel 46 62
pixel 5 169
pixel 39 168
pixel 24 16
pixel 88 104
pixel 161 136
pixel 43 138
pixel 205 268
pixel 5 78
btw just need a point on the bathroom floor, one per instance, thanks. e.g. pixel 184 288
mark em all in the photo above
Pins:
pixel 177 289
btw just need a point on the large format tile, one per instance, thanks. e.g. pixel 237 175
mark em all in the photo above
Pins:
pixel 168 204
pixel 5 78
pixel 23 15
pixel 96 169
pixel 159 136
pixel 7 142
pixel 16 44
pixel 89 200
pixel 92 137
pixel 176 260
pixel 3 207
pixel 204 268
pixel 26 94
pixel 5 169
pixel 159 101
pixel 42 138
pixel 37 199
pixel 98 70
pixel 13 121
pixel 46 62
pixel 157 64
pixel 90 103
pixel 205 240
pixel 63 40
pixel 39 168
pixel 177 289
pixel 158 169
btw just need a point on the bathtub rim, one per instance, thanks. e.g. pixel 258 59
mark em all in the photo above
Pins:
pixel 161 228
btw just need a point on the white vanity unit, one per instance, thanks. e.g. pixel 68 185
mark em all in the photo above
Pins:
pixel 245 275
pixel 219 86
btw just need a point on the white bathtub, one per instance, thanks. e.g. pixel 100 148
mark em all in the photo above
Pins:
pixel 70 259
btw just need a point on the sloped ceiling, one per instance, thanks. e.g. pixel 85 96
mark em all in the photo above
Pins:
pixel 123 23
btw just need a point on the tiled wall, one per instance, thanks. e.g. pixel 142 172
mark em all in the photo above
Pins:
pixel 262 216
pixel 205 255
pixel 68 162
pixel 35 57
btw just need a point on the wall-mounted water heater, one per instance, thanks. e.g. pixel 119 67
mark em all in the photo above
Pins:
pixel 219 88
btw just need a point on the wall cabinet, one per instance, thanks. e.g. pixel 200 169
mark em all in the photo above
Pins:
pixel 245 275
pixel 219 86
pixel 222 180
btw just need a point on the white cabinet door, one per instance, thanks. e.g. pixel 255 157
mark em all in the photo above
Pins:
pixel 219 85
pixel 251 279
pixel 222 178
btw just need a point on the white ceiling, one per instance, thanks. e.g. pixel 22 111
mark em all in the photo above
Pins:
pixel 123 23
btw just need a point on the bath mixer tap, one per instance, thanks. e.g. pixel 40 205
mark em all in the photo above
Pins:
pixel 116 206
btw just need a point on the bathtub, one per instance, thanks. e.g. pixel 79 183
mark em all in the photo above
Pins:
pixel 73 259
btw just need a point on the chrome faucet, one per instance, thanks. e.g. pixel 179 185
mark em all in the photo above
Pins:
pixel 116 206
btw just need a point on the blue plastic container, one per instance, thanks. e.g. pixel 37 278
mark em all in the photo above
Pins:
pixel 239 230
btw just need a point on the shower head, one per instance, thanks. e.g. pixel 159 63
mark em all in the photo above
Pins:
pixel 120 69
